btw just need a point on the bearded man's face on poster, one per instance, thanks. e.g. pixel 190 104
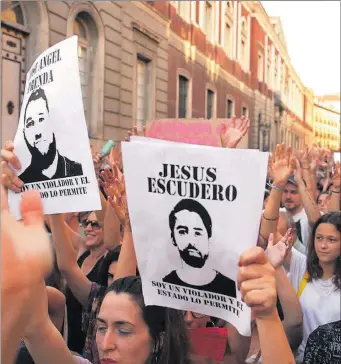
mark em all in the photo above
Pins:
pixel 38 133
pixel 191 238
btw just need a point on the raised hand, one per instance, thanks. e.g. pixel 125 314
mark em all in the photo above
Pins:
pixel 9 177
pixel 298 170
pixel 281 167
pixel 115 157
pixel 136 133
pixel 336 179
pixel 97 160
pixel 233 131
pixel 26 260
pixel 257 282
pixel 277 253
pixel 114 187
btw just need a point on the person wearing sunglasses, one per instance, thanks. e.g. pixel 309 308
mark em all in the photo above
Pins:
pixel 89 262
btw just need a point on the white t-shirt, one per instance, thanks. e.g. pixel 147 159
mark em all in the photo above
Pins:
pixel 305 227
pixel 320 300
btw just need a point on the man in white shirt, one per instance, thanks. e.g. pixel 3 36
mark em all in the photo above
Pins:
pixel 292 202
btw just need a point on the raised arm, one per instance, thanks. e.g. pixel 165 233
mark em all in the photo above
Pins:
pixel 42 339
pixel 335 199
pixel 257 284
pixel 308 201
pixel 112 223
pixel 26 259
pixel 47 346
pixel 280 169
pixel 307 175
pixel 67 260
pixel 293 315
pixel 239 345
pixel 127 264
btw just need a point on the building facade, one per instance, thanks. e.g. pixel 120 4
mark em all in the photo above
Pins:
pixel 123 59
pixel 163 59
pixel 326 127
pixel 230 57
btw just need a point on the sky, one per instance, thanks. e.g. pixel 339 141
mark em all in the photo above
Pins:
pixel 312 33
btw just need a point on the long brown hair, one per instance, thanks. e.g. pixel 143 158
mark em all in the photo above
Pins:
pixel 313 265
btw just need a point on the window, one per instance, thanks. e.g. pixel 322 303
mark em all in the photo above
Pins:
pixel 142 104
pixel 243 44
pixel 209 20
pixel 80 28
pixel 283 77
pixel 260 70
pixel 228 29
pixel 228 33
pixel 210 104
pixel 12 11
pixel 183 97
pixel 245 111
pixel 268 67
pixel 229 111
pixel 184 9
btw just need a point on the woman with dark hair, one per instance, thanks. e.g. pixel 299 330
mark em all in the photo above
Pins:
pixel 127 331
pixel 87 293
pixel 130 332
pixel 317 277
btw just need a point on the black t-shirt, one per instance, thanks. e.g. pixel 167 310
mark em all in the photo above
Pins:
pixel 65 168
pixel 76 337
pixel 324 345
pixel 220 284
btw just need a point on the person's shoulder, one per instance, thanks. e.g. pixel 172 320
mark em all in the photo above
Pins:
pixel 331 328
pixel 80 360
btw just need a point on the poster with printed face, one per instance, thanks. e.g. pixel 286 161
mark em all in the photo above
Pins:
pixel 193 212
pixel 52 142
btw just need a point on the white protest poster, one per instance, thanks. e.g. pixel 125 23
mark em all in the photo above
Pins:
pixel 193 212
pixel 52 142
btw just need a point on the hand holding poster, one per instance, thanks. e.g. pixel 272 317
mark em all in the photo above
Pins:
pixel 51 142
pixel 193 212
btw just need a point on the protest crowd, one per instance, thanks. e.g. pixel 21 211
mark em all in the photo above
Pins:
pixel 91 307
pixel 83 285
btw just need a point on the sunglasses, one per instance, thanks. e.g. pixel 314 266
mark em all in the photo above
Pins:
pixel 94 224
pixel 194 314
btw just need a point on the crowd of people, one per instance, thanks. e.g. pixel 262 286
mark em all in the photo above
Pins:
pixel 71 291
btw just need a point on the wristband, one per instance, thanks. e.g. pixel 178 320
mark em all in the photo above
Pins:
pixel 271 218
pixel 272 185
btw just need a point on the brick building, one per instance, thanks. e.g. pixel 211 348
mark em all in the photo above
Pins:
pixel 326 126
pixel 230 57
pixel 146 60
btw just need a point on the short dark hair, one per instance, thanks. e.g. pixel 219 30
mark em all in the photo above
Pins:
pixel 313 266
pixel 192 206
pixel 166 326
pixel 36 95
